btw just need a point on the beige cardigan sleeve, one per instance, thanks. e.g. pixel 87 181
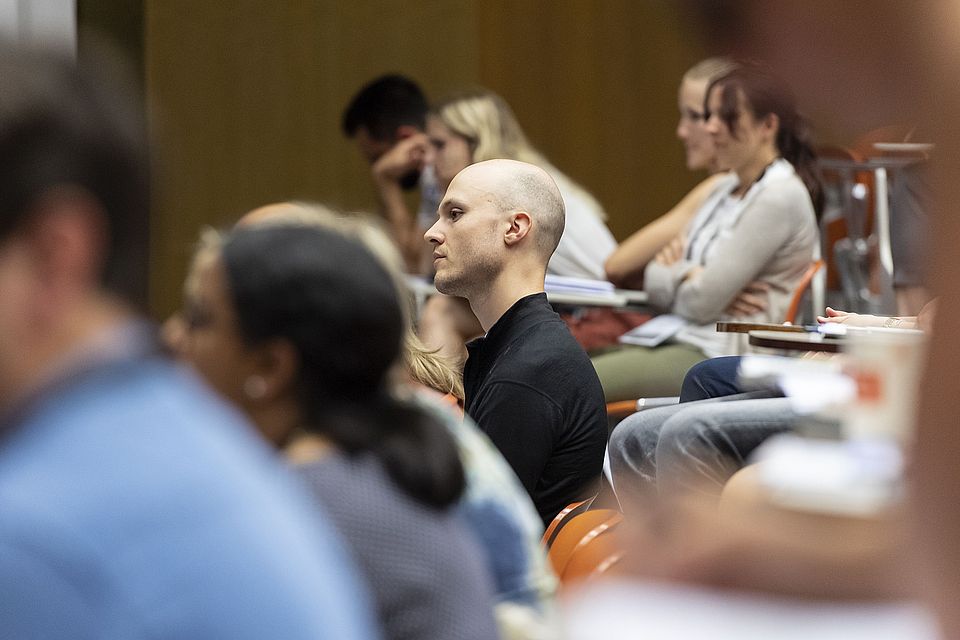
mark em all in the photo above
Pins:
pixel 772 239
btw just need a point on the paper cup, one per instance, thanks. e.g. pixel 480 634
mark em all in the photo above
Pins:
pixel 886 368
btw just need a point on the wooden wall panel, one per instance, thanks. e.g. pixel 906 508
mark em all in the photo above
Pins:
pixel 250 95
pixel 594 84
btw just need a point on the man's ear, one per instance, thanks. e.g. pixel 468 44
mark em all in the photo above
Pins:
pixel 520 225
pixel 68 237
pixel 405 131
pixel 277 364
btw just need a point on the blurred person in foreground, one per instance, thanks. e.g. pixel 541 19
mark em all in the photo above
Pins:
pixel 132 502
pixel 300 326
pixel 494 505
pixel 891 62
pixel 935 477
pixel 864 45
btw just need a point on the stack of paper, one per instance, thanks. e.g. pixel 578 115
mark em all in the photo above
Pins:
pixel 565 284
pixel 654 331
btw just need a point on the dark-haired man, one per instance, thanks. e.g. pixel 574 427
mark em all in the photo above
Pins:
pixel 527 382
pixel 386 121
pixel 132 503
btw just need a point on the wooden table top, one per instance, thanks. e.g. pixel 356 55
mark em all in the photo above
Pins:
pixel 796 341
pixel 746 327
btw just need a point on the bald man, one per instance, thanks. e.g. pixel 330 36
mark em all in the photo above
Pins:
pixel 528 384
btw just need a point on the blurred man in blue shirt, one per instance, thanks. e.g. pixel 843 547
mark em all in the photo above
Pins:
pixel 132 503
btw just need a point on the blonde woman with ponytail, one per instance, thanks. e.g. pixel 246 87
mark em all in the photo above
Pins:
pixel 478 125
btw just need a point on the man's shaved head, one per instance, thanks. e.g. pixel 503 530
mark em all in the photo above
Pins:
pixel 520 186
pixel 498 218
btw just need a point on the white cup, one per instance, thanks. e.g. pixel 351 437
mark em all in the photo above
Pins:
pixel 886 367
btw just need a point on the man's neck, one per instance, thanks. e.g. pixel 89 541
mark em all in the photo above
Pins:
pixel 53 349
pixel 497 297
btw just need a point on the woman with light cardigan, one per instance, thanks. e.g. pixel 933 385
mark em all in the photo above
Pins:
pixel 757 228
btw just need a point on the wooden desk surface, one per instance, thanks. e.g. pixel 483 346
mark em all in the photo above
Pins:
pixel 747 327
pixel 796 341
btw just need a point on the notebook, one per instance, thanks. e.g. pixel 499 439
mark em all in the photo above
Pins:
pixel 655 331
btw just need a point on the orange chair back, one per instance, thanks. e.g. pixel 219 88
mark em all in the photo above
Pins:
pixel 576 534
pixel 598 551
pixel 621 408
pixel 802 287
pixel 568 513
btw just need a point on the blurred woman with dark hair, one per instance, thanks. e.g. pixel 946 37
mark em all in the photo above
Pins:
pixel 756 228
pixel 301 327
pixel 494 506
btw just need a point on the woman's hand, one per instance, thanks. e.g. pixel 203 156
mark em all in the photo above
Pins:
pixel 752 300
pixel 671 252
pixel 851 319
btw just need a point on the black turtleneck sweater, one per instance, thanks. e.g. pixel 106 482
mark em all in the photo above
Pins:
pixel 533 391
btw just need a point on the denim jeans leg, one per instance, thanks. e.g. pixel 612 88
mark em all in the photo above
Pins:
pixel 702 446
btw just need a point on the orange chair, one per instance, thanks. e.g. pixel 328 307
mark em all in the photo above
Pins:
pixel 598 552
pixel 805 282
pixel 578 533
pixel 568 513
pixel 623 408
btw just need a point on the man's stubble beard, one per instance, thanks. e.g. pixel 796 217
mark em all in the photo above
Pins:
pixel 470 282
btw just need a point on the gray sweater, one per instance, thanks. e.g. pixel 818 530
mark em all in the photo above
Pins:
pixel 770 234
pixel 424 571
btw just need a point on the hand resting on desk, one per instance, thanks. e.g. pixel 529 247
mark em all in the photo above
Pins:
pixel 865 320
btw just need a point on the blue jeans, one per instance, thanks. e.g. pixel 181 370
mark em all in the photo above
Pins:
pixel 711 378
pixel 692 446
